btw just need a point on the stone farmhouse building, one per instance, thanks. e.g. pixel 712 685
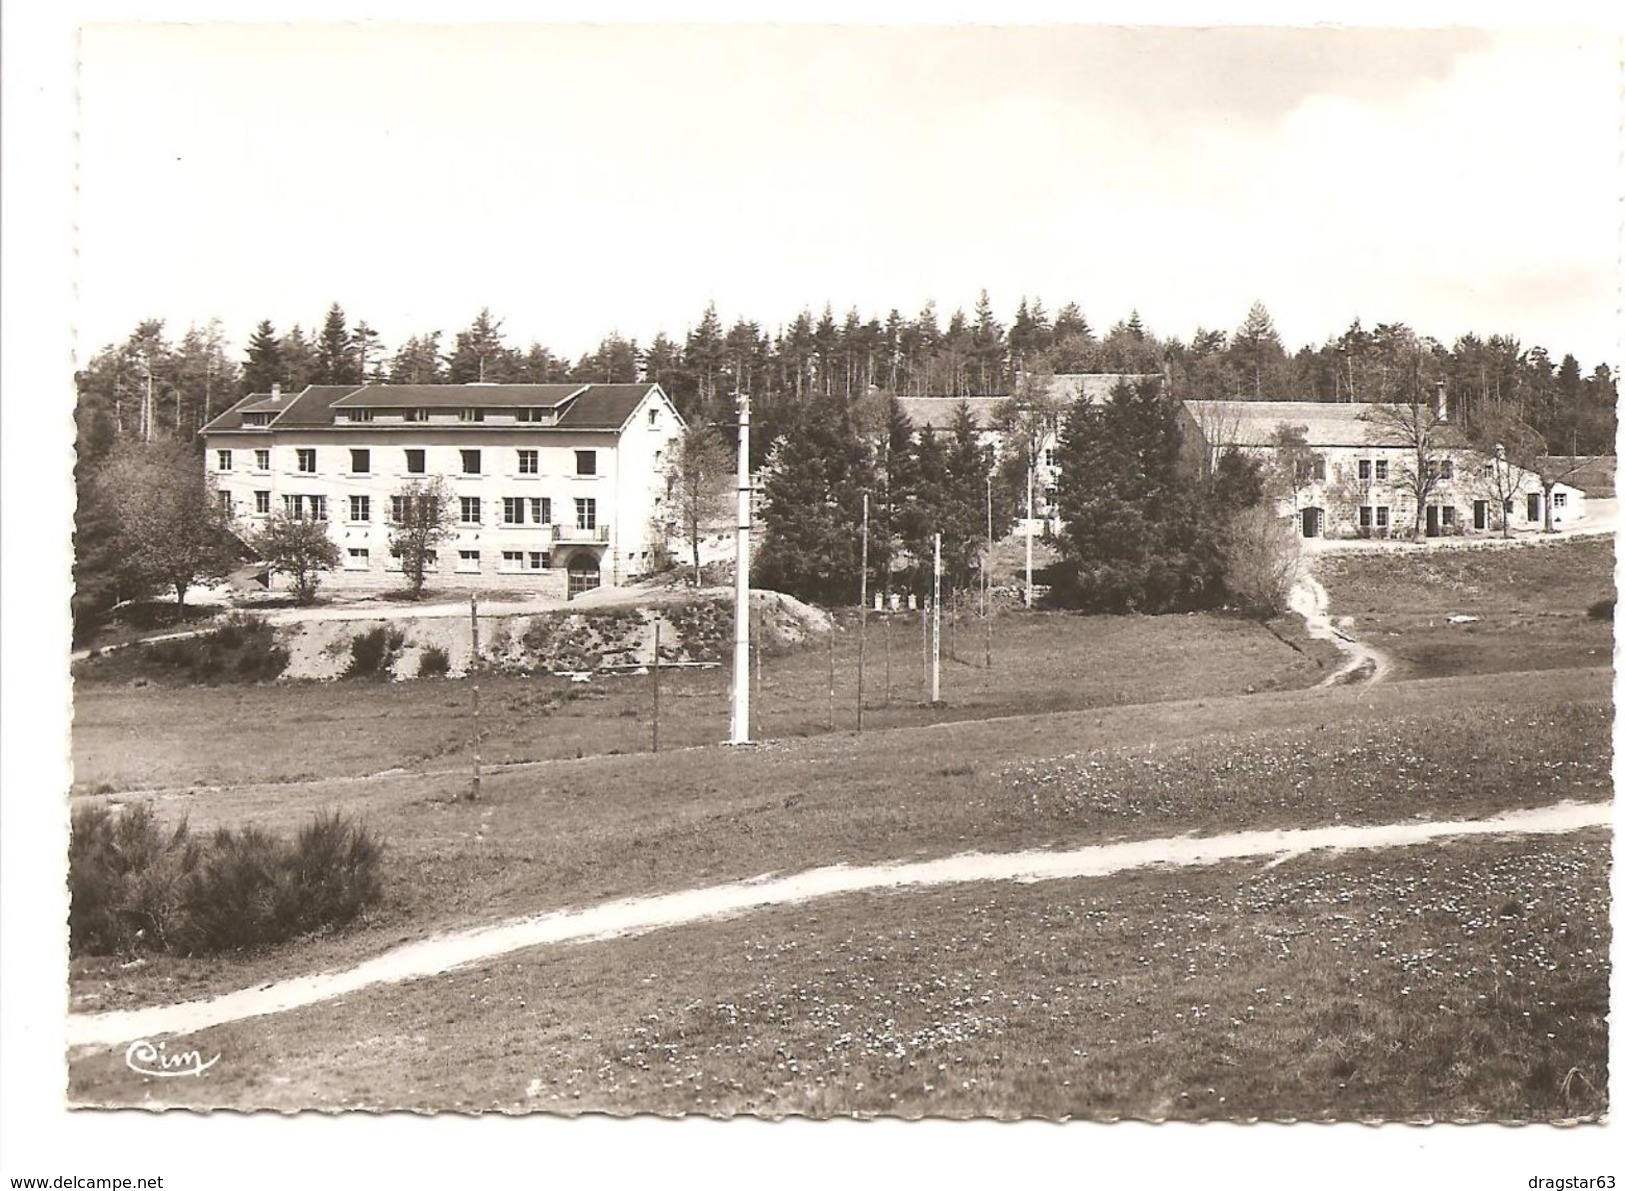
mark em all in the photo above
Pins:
pixel 556 488
pixel 1345 471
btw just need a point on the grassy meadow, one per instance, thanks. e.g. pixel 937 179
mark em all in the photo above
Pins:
pixel 571 833
pixel 140 737
pixel 1532 604
pixel 1458 982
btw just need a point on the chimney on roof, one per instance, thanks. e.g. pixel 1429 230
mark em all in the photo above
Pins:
pixel 1441 402
pixel 276 390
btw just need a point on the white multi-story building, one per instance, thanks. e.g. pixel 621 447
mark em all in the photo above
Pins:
pixel 555 488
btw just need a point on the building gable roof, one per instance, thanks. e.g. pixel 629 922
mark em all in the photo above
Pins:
pixel 1324 423
pixel 938 413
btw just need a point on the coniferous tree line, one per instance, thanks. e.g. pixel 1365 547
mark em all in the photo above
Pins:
pixel 820 388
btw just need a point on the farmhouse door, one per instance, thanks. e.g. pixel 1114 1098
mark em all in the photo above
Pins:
pixel 1433 521
pixel 1481 514
pixel 1311 523
pixel 1534 506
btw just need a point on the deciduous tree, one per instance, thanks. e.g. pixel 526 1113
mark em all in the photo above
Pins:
pixel 697 484
pixel 298 548
pixel 421 518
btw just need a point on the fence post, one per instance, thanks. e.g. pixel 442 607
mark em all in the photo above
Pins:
pixel 654 670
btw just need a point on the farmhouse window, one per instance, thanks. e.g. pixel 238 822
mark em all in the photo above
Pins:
pixel 360 461
pixel 654 417
pixel 468 560
pixel 360 558
pixel 225 503
pixel 586 512
pixel 538 560
pixel 1049 457
pixel 397 509
pixel 513 560
pixel 361 508
pixel 307 459
pixel 541 509
pixel 586 463
pixel 471 463
pixel 1382 469
pixel 513 510
pixel 262 459
pixel 293 506
pixel 262 501
pixel 1365 516
pixel 1448 515
pixel 470 510
pixel 529 462
pixel 1447 469
pixel 1560 500
pixel 1363 469
pixel 318 507
pixel 1382 516
pixel 223 460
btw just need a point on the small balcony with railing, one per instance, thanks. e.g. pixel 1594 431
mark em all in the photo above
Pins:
pixel 571 534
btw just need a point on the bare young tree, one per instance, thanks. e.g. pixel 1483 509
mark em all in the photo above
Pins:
pixel 1419 428
pixel 421 518
pixel 1263 559
pixel 697 485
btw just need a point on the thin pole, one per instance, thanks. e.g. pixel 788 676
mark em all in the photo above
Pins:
pixel 756 643
pixel 740 733
pixel 925 647
pixel 1029 533
pixel 936 619
pixel 863 606
pixel 888 653
pixel 832 673
pixel 987 585
pixel 654 671
pixel 474 673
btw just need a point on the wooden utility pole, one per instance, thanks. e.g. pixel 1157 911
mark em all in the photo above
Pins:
pixel 756 704
pixel 654 671
pixel 740 721
pixel 474 674
pixel 925 650
pixel 863 606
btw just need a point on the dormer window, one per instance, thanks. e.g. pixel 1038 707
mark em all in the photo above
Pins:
pixel 417 415
pixel 358 415
pixel 471 415
pixel 531 415
pixel 257 419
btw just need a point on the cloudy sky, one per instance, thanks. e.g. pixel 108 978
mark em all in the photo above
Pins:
pixel 582 179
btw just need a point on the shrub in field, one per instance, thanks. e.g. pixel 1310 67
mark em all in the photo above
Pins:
pixel 135 886
pixel 242 649
pixel 433 663
pixel 373 653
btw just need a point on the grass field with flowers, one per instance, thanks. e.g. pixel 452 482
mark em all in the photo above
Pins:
pixel 1466 981
pixel 1532 605
pixel 576 832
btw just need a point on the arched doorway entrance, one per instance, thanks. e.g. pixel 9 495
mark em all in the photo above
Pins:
pixel 581 573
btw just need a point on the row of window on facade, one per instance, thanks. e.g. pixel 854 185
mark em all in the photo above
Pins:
pixel 1374 469
pixel 471 509
pixel 359 558
pixel 528 462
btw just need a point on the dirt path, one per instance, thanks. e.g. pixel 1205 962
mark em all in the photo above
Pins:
pixel 1362 662
pixel 629 916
